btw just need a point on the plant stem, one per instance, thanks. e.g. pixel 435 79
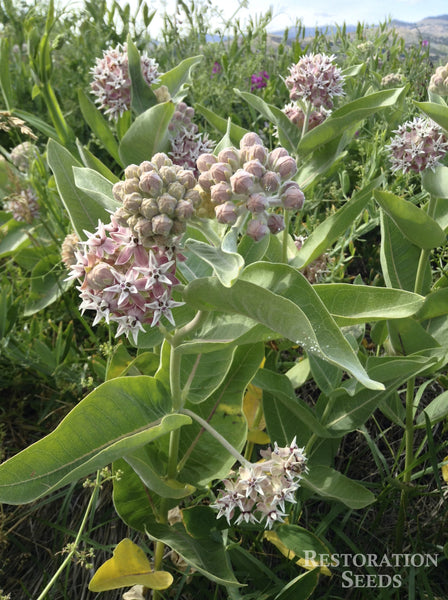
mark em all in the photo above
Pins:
pixel 68 558
pixel 287 217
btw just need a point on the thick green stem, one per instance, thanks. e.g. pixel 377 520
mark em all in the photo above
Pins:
pixel 287 217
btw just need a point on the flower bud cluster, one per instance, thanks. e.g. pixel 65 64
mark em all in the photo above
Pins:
pixel 419 144
pixel 439 81
pixel 250 179
pixel 296 115
pixel 316 80
pixel 22 205
pixel 158 198
pixel 392 80
pixel 69 249
pixel 122 281
pixel 111 81
pixel 22 155
pixel 187 144
pixel 259 491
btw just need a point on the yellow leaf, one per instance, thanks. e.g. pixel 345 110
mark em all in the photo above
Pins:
pixel 252 406
pixel 445 470
pixel 258 437
pixel 272 537
pixel 129 566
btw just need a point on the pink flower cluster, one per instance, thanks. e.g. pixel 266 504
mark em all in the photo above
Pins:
pixel 186 143
pixel 259 80
pixel 123 281
pixel 259 491
pixel 250 180
pixel 111 81
pixel 22 205
pixel 315 79
pixel 418 145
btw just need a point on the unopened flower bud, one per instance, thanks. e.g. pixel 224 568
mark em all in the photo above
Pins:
pixel 205 180
pixel 276 223
pixel 178 227
pixel 143 227
pixel 230 156
pixel 149 208
pixel 167 204
pixel 132 202
pixel 256 230
pixel 226 213
pixel 176 190
pixel 205 161
pixel 242 182
pixel 131 171
pixel 286 167
pixel 118 191
pixel 255 168
pixel 161 225
pixel 121 215
pixel 131 185
pixel 161 160
pixel 249 139
pixel 168 174
pixel 184 210
pixel 151 183
pixel 220 172
pixel 270 182
pixel 186 178
pixel 255 152
pixel 145 167
pixel 275 155
pixel 292 197
pixel 257 203
pixel 100 276
pixel 194 195
pixel 220 192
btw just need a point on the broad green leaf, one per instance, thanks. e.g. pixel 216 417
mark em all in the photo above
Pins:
pixel 225 141
pixel 99 125
pixel 137 411
pixel 5 78
pixel 179 77
pixel 353 70
pixel 223 410
pixel 142 96
pixel 301 586
pixel 206 555
pixel 328 483
pixel 147 135
pixel 13 236
pixel 350 304
pixel 435 305
pixel 399 257
pixel 225 260
pixel 199 521
pixel 321 160
pixel 436 410
pixel 347 116
pixel 253 251
pixel 346 412
pixel 201 374
pixel 289 134
pixel 236 132
pixel 327 376
pixel 413 222
pixel 96 186
pixel 92 162
pixel 436 112
pixel 301 541
pixel 435 182
pixel 328 232
pixel 128 566
pixel 84 212
pixel 47 284
pixel 280 298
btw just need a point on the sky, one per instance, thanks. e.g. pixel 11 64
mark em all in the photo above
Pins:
pixel 321 12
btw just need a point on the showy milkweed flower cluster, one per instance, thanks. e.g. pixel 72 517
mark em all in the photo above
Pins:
pixel 187 144
pixel 259 80
pixel 22 155
pixel 249 180
pixel 22 205
pixel 439 81
pixel 315 79
pixel 111 81
pixel 158 198
pixel 259 492
pixel 418 145
pixel 122 281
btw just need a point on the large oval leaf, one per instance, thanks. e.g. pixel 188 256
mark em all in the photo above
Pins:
pixel 326 482
pixel 96 186
pixel 119 416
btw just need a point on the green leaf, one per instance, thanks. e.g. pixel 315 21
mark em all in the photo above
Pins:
pixel 408 336
pixel 436 112
pixel 37 123
pixel 436 410
pixel 137 411
pixel 96 186
pixel 413 222
pixel 5 78
pixel 84 212
pixel 321 160
pixel 147 135
pixel 202 374
pixel 301 586
pixel 206 555
pixel 435 182
pixel 177 79
pixel 14 236
pixel 99 125
pixel 347 116
pixel 142 96
pixel 327 377
pixel 280 298
pixel 253 251
pixel 225 260
pixel 92 162
pixel 328 232
pixel 435 305
pixel 399 257
pixel 301 541
pixel 236 132
pixel 350 304
pixel 47 284
pixel 330 484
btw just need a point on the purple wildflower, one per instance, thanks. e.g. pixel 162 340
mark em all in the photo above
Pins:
pixel 259 80
pixel 216 69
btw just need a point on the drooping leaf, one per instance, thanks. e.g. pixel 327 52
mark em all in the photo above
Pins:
pixel 128 566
